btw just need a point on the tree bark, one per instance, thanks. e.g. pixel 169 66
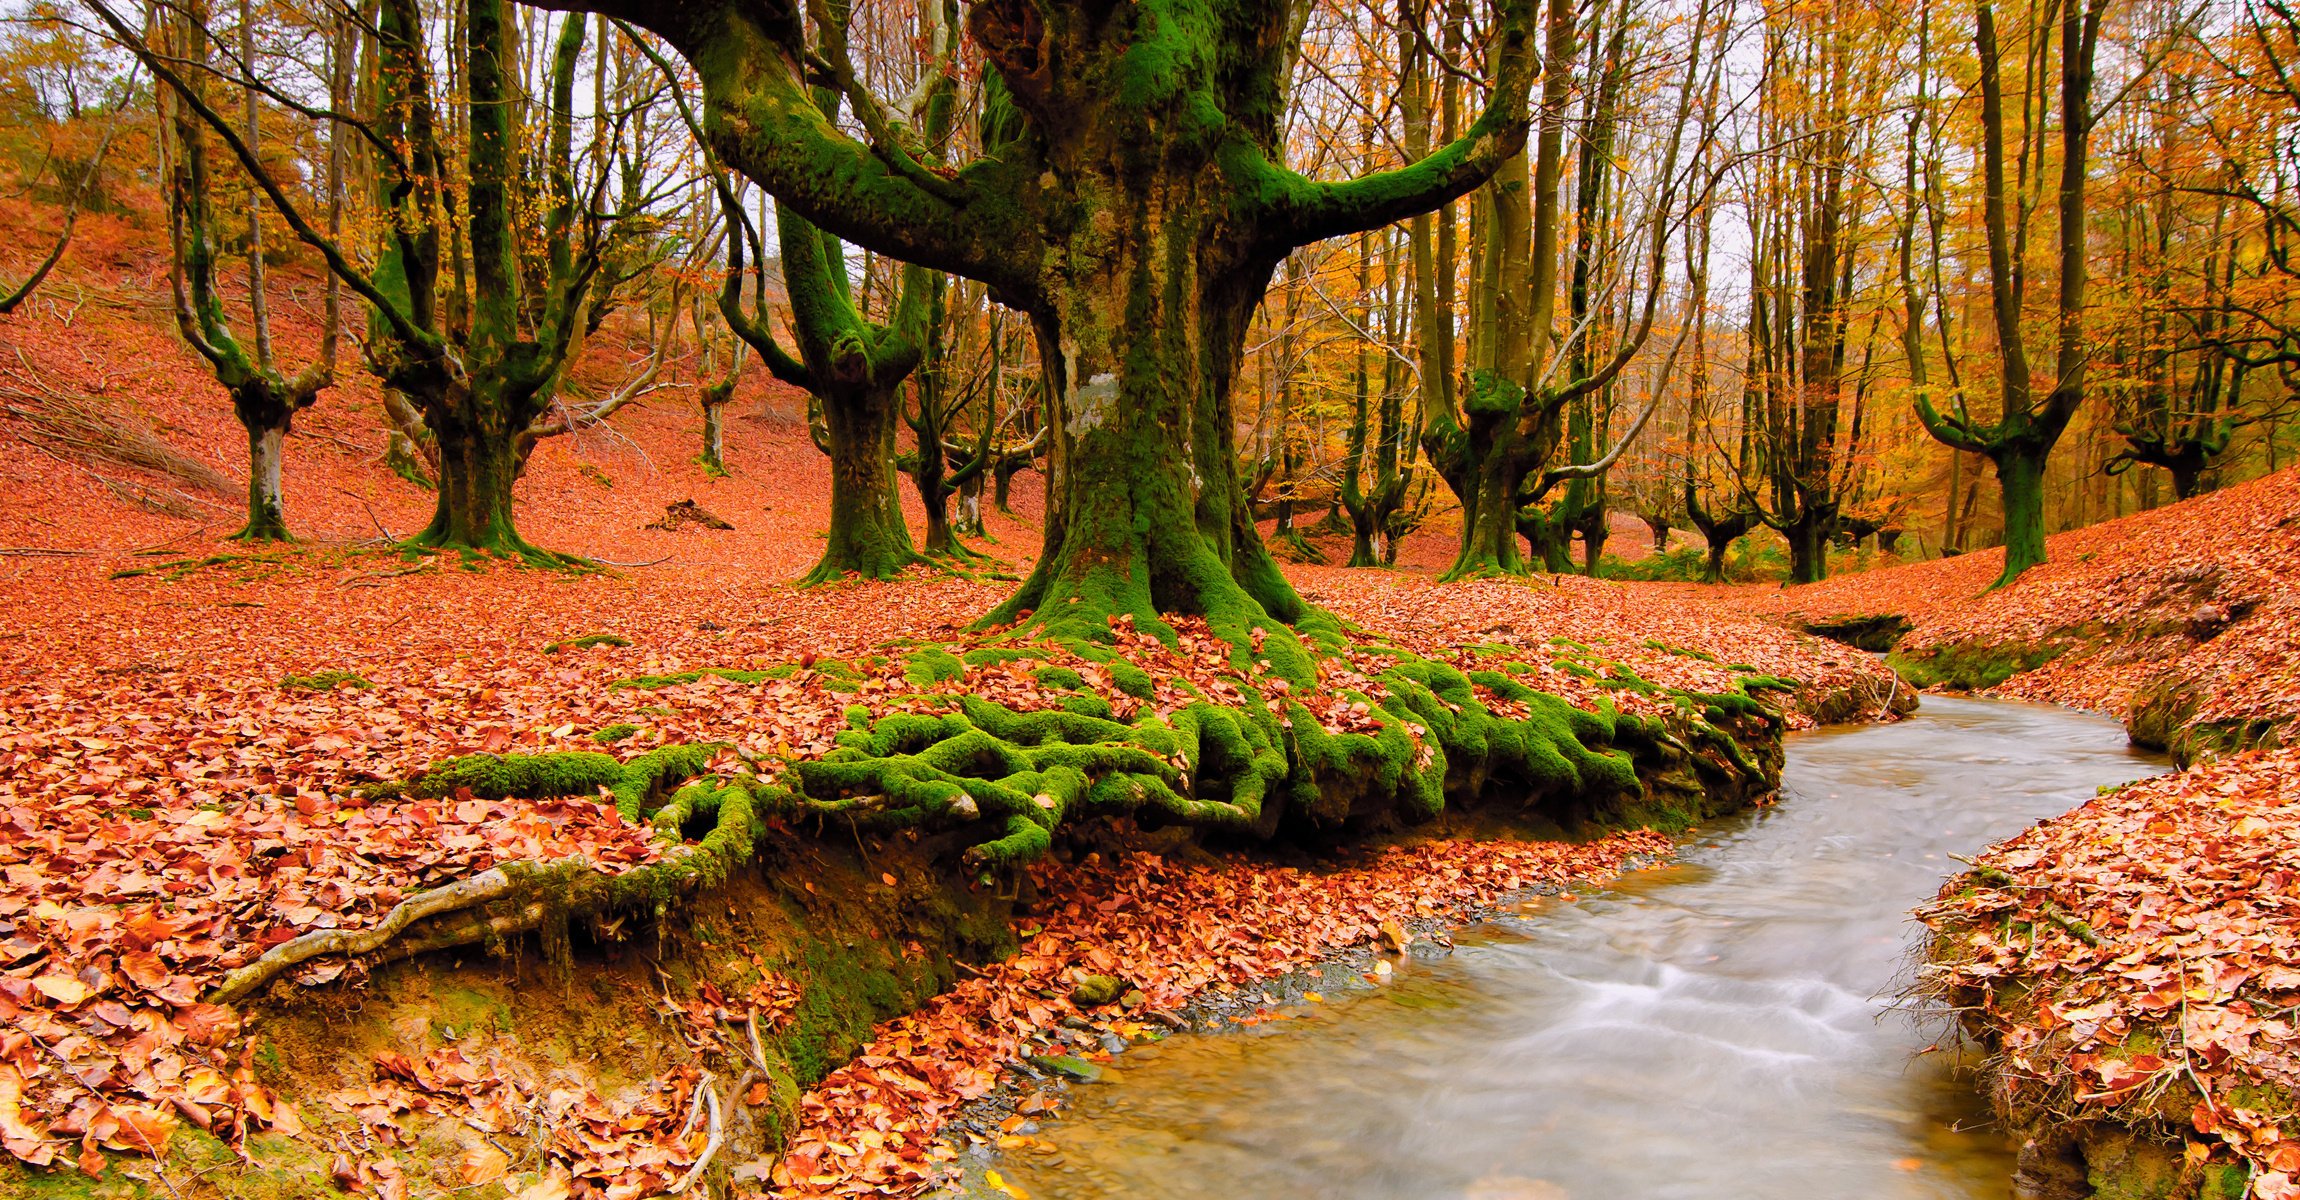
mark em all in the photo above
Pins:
pixel 2020 479
pixel 267 519
pixel 868 534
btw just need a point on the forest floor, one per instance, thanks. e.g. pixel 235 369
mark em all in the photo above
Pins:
pixel 186 731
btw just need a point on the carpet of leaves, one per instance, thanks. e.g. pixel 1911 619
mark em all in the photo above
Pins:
pixel 2185 1011
pixel 170 805
pixel 2208 589
pixel 1171 931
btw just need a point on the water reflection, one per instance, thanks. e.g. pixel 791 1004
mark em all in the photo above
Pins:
pixel 1714 1029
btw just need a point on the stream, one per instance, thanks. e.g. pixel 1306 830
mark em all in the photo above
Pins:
pixel 1716 1028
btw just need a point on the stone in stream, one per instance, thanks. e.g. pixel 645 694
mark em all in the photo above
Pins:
pixel 1069 1066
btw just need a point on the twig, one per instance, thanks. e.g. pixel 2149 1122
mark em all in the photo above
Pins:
pixel 42 552
pixel 609 562
pixel 66 1063
pixel 2076 928
pixel 710 1144
pixel 370 513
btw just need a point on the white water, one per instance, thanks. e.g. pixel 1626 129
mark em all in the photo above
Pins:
pixel 1717 1029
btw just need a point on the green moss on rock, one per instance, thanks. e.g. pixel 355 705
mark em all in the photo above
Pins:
pixel 1970 665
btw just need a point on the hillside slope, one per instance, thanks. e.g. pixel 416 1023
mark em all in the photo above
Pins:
pixel 2185 620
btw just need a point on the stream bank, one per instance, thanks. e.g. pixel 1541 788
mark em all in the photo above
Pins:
pixel 1656 1038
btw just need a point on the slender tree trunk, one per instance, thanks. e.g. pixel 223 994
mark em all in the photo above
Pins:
pixel 267 516
pixel 714 457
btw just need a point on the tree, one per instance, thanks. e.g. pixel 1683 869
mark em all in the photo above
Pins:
pixel 852 370
pixel 457 327
pixel 1499 452
pixel 78 186
pixel 1806 221
pixel 1131 198
pixel 2020 440
pixel 265 398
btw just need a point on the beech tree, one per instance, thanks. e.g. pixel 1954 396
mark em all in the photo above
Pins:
pixel 1500 452
pixel 265 397
pixel 851 368
pixel 458 324
pixel 1132 198
pixel 2030 417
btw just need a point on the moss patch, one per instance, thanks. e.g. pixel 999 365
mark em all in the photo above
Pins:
pixel 1971 666
pixel 585 642
pixel 324 681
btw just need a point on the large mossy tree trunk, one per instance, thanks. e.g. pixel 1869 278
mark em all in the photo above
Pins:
pixel 476 426
pixel 2020 481
pixel 1132 199
pixel 1151 516
pixel 868 535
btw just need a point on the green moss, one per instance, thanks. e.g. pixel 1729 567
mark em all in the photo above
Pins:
pixel 1132 680
pixel 1680 651
pixel 585 642
pixel 324 681
pixel 931 665
pixel 612 734
pixel 464 1010
pixel 1060 678
pixel 274 1167
pixel 1970 665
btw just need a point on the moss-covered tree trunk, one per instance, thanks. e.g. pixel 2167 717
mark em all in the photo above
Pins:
pixel 1132 198
pixel 267 428
pixel 478 463
pixel 2020 481
pixel 264 398
pixel 1808 535
pixel 1152 517
pixel 868 535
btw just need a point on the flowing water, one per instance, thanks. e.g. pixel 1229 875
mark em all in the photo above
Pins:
pixel 1718 1028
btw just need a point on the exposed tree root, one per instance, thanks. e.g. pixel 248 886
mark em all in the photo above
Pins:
pixel 521 897
pixel 1249 757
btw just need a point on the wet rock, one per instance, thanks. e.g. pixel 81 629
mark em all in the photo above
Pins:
pixel 1068 1066
pixel 1094 991
pixel 1113 1043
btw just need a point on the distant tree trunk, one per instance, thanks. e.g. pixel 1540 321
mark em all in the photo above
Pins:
pixel 266 519
pixel 868 535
